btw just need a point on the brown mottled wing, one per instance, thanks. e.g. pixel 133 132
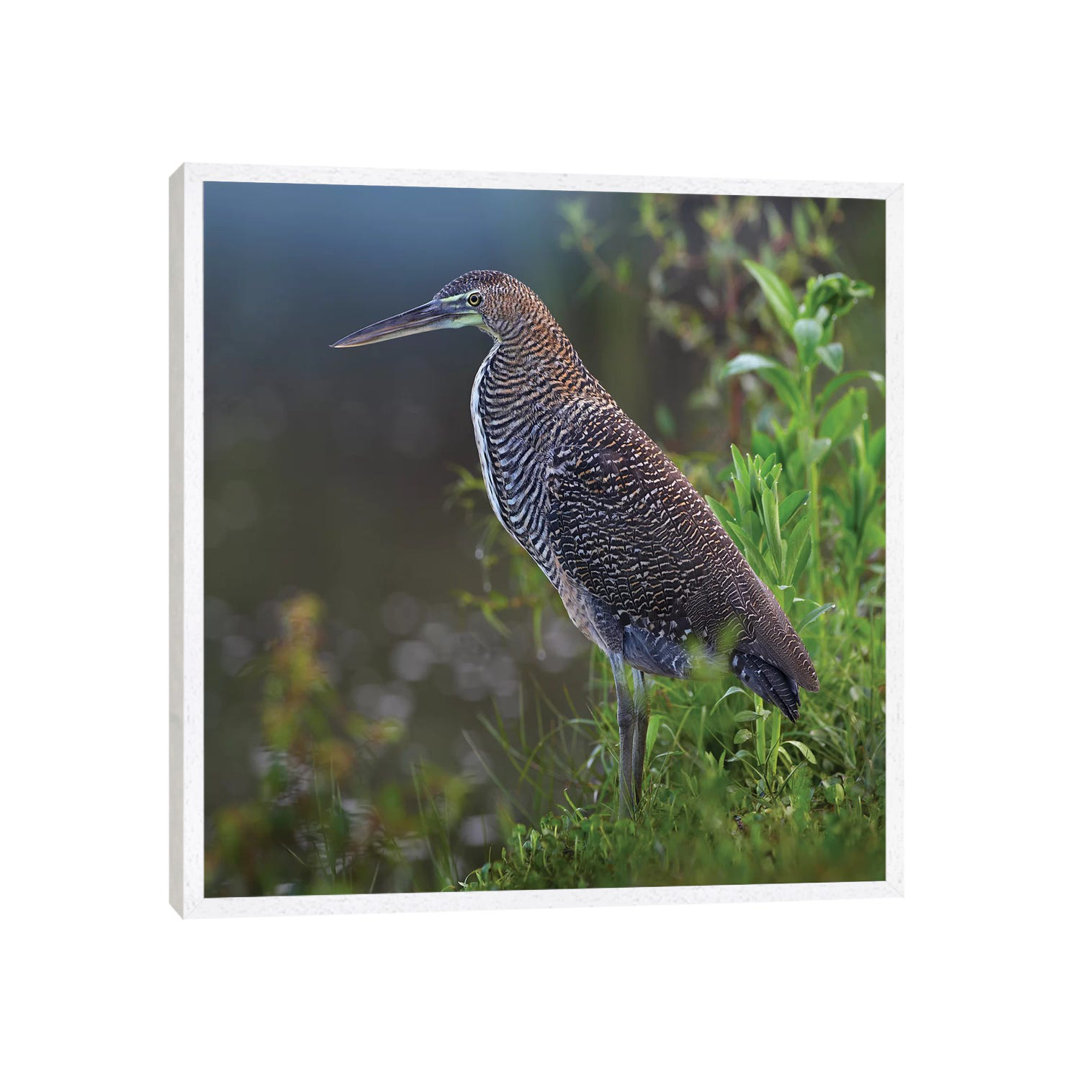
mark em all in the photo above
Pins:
pixel 629 527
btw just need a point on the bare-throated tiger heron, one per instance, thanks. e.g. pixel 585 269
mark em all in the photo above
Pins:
pixel 642 564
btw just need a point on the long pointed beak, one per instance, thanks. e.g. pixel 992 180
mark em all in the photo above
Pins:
pixel 436 315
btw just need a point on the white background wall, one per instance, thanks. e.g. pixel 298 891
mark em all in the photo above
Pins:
pixel 974 115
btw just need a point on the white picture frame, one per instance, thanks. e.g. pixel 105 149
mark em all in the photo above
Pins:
pixel 186 745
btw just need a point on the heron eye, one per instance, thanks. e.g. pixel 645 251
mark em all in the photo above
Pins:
pixel 474 299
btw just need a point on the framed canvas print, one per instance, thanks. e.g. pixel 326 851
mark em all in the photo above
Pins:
pixel 593 602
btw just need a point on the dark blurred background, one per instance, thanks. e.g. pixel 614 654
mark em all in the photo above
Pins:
pixel 327 472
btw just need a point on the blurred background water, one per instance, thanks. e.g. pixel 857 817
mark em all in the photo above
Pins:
pixel 327 471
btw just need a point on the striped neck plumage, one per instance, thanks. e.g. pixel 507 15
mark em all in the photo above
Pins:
pixel 539 342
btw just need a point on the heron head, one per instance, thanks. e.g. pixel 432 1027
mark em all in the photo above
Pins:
pixel 490 300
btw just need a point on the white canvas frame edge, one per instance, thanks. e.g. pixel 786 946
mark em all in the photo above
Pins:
pixel 186 762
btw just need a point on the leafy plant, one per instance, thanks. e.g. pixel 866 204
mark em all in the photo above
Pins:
pixel 818 423
pixel 322 821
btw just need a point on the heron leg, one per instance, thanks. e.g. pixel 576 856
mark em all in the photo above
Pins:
pixel 641 728
pixel 627 716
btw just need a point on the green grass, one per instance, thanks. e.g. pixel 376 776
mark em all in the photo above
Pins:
pixel 689 836
pixel 732 795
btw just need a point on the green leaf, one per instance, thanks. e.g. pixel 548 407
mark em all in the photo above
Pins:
pixel 776 375
pixel 817 449
pixel 719 510
pixel 799 547
pixel 814 615
pixel 742 540
pixel 875 451
pixel 745 756
pixel 803 749
pixel 650 734
pixel 745 362
pixel 844 417
pixel 749 548
pixel 770 513
pixel 742 498
pixel 728 693
pixel 832 356
pixel 777 294
pixel 783 382
pixel 834 295
pixel 761 443
pixel 833 385
pixel 739 463
pixel 807 335
pixel 791 504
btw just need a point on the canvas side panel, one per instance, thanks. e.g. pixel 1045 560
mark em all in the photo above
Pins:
pixel 176 538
